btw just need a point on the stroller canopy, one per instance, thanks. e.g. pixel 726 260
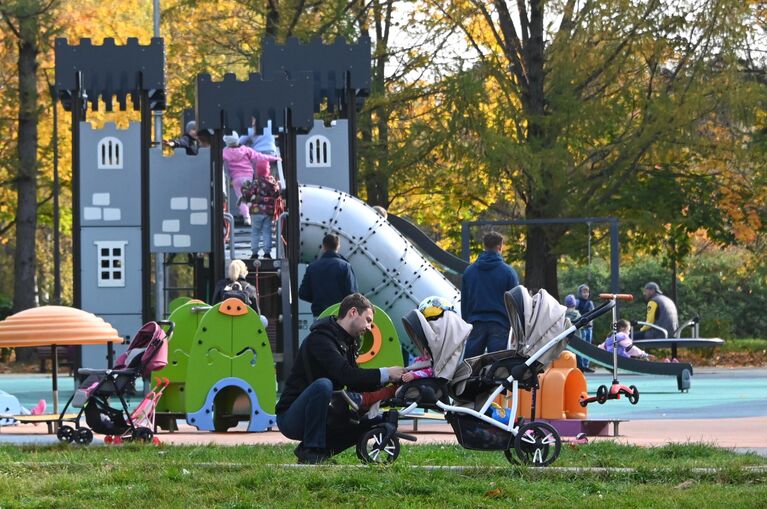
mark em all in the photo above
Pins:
pixel 534 322
pixel 443 339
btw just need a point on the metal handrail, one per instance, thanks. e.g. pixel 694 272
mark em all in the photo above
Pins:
pixel 280 247
pixel 230 219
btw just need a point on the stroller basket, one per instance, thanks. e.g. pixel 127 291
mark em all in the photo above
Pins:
pixel 473 433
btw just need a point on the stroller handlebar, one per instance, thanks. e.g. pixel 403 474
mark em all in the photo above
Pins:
pixel 170 325
pixel 616 296
pixel 591 315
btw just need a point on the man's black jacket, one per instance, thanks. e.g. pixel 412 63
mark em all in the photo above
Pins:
pixel 329 352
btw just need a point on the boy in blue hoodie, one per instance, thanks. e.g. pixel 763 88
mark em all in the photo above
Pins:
pixel 482 287
pixel 584 305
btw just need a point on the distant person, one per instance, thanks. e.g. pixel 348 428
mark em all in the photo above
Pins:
pixel 584 305
pixel 261 196
pixel 622 342
pixel 189 141
pixel 263 143
pixel 483 285
pixel 236 286
pixel 381 211
pixel 327 362
pixel 328 279
pixel 239 162
pixel 661 311
pixel 572 313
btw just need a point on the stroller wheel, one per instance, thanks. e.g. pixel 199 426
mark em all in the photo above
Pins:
pixel 509 453
pixel 602 394
pixel 142 435
pixel 537 444
pixel 634 396
pixel 372 449
pixel 83 436
pixel 65 434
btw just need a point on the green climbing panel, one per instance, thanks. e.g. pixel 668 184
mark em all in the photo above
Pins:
pixel 177 303
pixel 230 343
pixel 186 319
pixel 381 347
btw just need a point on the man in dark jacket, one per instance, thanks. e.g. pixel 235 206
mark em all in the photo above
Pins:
pixel 482 287
pixel 326 361
pixel 661 311
pixel 328 279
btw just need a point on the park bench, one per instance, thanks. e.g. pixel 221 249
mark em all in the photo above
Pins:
pixel 50 420
pixel 45 354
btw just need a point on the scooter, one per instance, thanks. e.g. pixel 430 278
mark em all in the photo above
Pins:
pixel 616 388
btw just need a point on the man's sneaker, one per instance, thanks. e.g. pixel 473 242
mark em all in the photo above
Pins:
pixel 311 456
pixel 354 399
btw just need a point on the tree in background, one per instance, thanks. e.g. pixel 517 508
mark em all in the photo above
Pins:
pixel 599 108
pixel 29 23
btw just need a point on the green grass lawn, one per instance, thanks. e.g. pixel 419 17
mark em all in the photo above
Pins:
pixel 264 476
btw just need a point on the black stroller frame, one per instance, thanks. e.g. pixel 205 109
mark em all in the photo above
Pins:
pixel 534 443
pixel 108 383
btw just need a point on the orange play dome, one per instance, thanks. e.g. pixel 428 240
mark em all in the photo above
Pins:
pixel 55 325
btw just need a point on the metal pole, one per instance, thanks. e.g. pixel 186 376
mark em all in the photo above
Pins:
pixel 56 217
pixel 78 115
pixel 614 257
pixel 55 377
pixel 465 241
pixel 159 258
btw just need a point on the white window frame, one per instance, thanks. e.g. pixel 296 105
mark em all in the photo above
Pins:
pixel 110 154
pixel 318 152
pixel 110 281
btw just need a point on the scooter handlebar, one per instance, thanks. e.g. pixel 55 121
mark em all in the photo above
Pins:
pixel 617 296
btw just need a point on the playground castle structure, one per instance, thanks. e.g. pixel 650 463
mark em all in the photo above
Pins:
pixel 131 202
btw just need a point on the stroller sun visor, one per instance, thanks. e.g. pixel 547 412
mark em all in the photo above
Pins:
pixel 414 329
pixel 442 339
pixel 518 306
pixel 544 318
pixel 151 343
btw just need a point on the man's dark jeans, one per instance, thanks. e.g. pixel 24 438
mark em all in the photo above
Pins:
pixel 307 420
pixel 486 335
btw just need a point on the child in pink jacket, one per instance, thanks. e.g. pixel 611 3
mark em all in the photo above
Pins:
pixel 240 161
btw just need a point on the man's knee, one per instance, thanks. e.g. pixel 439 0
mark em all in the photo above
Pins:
pixel 322 388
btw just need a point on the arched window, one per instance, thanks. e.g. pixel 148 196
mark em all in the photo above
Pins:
pixel 110 154
pixel 317 152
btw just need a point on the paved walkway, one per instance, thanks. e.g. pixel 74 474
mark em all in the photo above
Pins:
pixel 725 408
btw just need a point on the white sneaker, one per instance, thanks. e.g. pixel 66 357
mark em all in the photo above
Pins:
pixel 246 221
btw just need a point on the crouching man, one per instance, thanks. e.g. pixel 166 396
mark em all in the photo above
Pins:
pixel 327 361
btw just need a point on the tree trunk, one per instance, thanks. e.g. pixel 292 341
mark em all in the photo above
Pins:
pixel 24 287
pixel 540 262
pixel 272 18
pixel 377 174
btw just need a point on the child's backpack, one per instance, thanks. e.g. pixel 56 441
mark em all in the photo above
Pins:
pixel 235 291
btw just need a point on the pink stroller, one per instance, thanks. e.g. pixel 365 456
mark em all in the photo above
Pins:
pixel 143 416
pixel 147 352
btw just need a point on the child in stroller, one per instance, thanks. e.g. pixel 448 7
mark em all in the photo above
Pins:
pixel 147 352
pixel 538 334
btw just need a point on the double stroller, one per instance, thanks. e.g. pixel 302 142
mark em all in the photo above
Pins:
pixel 466 390
pixel 147 352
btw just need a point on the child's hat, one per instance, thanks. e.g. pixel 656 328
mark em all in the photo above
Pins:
pixel 232 140
pixel 570 301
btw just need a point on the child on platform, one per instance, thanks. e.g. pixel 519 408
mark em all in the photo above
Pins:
pixel 622 341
